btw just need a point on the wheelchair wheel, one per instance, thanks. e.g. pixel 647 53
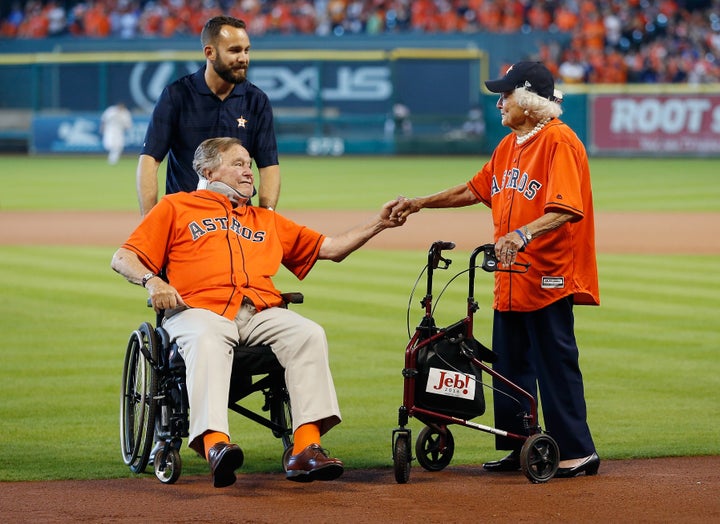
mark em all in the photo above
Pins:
pixel 434 448
pixel 402 458
pixel 173 466
pixel 138 398
pixel 539 458
pixel 286 457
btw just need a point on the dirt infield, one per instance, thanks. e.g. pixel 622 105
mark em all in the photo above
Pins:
pixel 662 490
pixel 659 490
pixel 616 232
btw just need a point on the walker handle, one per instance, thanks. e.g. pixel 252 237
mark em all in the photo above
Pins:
pixel 435 254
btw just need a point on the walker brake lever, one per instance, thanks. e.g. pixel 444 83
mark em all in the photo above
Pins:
pixel 490 262
pixel 437 257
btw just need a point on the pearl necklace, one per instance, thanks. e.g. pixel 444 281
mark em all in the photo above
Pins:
pixel 521 139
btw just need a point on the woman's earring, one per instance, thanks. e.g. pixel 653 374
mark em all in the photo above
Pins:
pixel 527 113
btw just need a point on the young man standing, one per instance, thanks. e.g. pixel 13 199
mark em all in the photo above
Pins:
pixel 215 101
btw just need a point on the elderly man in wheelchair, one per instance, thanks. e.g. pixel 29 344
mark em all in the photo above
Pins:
pixel 219 255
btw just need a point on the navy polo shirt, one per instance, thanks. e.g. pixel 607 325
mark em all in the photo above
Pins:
pixel 187 113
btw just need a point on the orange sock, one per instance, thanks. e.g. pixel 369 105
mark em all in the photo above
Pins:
pixel 304 436
pixel 210 438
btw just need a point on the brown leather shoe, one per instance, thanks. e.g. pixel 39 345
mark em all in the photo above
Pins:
pixel 313 463
pixel 224 458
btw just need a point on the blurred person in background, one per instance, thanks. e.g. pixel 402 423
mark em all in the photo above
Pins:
pixel 115 121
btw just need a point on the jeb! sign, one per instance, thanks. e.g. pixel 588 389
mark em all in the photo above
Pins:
pixel 450 384
pixel 679 124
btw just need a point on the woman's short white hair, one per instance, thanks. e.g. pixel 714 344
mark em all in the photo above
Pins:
pixel 540 108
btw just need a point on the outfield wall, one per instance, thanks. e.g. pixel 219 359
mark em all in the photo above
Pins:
pixel 325 102
pixel 341 101
pixel 610 124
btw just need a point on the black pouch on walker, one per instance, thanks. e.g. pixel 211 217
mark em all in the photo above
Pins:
pixel 447 382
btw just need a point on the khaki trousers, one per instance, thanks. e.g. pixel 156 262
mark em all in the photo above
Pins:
pixel 206 341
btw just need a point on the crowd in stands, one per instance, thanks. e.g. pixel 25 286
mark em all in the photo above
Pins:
pixel 613 41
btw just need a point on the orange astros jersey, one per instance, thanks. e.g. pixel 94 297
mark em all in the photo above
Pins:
pixel 520 183
pixel 215 254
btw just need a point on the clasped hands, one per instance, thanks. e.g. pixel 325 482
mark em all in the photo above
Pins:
pixel 399 209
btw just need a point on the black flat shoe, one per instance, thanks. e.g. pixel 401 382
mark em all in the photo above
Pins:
pixel 509 463
pixel 590 466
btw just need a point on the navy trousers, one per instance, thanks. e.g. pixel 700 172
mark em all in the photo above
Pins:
pixel 537 350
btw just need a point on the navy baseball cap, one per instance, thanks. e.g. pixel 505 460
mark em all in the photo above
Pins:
pixel 533 76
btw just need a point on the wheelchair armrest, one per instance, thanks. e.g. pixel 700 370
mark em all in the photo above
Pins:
pixel 293 298
pixel 288 298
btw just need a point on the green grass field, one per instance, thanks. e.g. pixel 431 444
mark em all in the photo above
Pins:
pixel 649 353
pixel 664 184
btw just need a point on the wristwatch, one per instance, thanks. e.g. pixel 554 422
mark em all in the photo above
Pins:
pixel 527 233
pixel 147 277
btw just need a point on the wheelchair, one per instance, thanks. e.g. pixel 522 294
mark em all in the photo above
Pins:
pixel 154 401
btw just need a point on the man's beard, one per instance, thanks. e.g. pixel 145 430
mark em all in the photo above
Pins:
pixel 231 76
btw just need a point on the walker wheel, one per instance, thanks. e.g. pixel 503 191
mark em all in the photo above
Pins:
pixel 434 448
pixel 173 466
pixel 402 458
pixel 539 458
